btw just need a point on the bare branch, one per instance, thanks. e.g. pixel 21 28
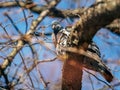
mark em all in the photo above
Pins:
pixel 114 27
pixel 38 9
pixel 91 82
pixel 94 18
pixel 28 35
pixel 99 79
pixel 72 74
pixel 42 16
pixel 26 69
pixel 16 28
pixel 101 14
pixel 37 62
pixel 11 56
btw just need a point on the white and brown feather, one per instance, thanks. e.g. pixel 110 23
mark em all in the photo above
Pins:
pixel 63 39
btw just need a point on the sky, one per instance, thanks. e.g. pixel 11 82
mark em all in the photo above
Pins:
pixel 106 41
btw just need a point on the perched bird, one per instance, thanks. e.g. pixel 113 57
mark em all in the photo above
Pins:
pixel 56 30
pixel 62 39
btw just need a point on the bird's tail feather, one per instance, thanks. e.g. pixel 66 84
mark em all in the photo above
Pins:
pixel 99 67
pixel 107 75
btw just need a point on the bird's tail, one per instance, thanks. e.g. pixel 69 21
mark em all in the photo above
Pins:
pixel 106 74
pixel 99 66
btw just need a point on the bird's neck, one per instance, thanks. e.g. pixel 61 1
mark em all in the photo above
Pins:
pixel 57 30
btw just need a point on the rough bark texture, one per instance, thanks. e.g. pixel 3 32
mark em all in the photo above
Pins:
pixel 91 20
pixel 72 74
pixel 96 17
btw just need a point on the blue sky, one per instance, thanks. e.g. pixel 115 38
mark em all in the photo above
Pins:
pixel 52 70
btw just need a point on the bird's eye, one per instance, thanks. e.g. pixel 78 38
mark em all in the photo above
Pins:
pixel 56 27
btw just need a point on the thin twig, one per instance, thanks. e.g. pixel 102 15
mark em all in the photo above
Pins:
pixel 16 28
pixel 24 15
pixel 41 77
pixel 43 14
pixel 99 79
pixel 15 74
pixel 91 81
pixel 21 43
pixel 18 21
pixel 25 20
pixel 37 62
pixel 26 69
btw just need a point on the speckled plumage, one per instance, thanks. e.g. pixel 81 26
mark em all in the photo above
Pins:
pixel 62 39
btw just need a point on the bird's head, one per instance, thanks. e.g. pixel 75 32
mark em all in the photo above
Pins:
pixel 56 27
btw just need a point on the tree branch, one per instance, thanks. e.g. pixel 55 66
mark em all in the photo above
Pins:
pixel 38 9
pixel 114 27
pixel 72 74
pixel 94 18
pixel 28 36
pixel 11 56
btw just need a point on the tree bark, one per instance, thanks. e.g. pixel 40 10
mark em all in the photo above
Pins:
pixel 72 73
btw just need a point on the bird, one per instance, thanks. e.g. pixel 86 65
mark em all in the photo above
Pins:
pixel 62 39
pixel 57 28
